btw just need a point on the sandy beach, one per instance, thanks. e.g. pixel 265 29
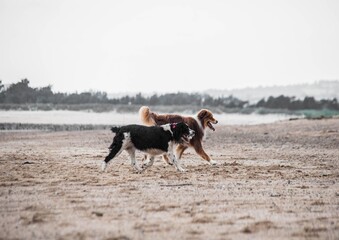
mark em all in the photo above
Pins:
pixel 272 181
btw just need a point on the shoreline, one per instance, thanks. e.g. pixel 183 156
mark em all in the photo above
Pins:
pixel 17 126
pixel 51 127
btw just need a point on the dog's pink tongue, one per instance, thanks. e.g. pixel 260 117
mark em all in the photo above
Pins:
pixel 210 126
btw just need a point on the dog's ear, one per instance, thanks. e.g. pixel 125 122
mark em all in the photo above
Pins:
pixel 202 114
pixel 115 129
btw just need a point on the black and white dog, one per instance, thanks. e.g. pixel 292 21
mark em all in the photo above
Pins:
pixel 154 140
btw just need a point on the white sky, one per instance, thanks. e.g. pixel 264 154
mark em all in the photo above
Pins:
pixel 166 46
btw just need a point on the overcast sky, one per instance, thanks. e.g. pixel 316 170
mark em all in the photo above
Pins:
pixel 168 46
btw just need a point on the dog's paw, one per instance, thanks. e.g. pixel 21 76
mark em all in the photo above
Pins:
pixel 103 166
pixel 143 168
pixel 213 163
pixel 139 170
pixel 180 169
pixel 144 165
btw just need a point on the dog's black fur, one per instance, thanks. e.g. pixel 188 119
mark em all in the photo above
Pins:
pixel 154 140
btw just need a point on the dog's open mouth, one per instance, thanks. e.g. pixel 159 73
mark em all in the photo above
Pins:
pixel 209 124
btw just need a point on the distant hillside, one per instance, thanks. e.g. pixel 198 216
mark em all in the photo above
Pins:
pixel 318 90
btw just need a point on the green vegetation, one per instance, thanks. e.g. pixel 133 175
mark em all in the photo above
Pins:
pixel 21 96
pixel 22 93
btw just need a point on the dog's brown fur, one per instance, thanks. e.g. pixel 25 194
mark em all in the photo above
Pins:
pixel 199 123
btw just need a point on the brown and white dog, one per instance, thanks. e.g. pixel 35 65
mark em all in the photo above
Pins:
pixel 198 123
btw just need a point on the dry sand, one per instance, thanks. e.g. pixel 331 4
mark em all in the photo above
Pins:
pixel 273 181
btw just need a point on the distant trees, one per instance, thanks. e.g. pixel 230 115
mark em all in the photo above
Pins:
pixel 180 98
pixel 283 102
pixel 21 93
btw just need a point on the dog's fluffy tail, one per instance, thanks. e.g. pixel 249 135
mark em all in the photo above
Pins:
pixel 146 116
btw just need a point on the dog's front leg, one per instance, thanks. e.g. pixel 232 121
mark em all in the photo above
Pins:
pixel 175 160
pixel 149 163
pixel 134 164
pixel 199 150
pixel 176 163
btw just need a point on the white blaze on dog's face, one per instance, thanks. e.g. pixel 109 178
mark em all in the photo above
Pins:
pixel 180 131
